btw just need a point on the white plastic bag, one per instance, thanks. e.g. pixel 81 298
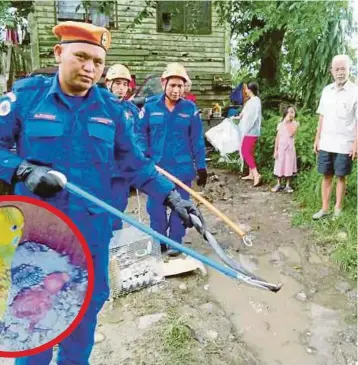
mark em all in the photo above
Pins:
pixel 224 137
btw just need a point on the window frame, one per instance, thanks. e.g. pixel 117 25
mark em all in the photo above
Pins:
pixel 113 18
pixel 159 22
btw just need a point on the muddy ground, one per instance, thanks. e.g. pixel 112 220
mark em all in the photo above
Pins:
pixel 196 319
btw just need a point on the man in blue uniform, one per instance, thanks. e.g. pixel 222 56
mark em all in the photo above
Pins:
pixel 117 80
pixel 69 124
pixel 170 132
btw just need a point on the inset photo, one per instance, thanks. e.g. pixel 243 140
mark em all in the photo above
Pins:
pixel 46 276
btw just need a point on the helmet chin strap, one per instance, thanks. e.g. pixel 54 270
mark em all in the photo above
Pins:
pixel 111 87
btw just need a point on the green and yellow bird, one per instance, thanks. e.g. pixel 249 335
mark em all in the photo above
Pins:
pixel 11 229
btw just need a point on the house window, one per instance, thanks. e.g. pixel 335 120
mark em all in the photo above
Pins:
pixel 187 17
pixel 88 11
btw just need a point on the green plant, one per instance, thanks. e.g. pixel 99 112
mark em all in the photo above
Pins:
pixel 289 44
pixel 177 339
pixel 217 162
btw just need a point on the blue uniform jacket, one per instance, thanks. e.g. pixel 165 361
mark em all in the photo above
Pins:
pixel 131 113
pixel 81 143
pixel 173 140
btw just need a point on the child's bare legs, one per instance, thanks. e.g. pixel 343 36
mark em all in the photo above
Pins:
pixel 288 188
pixel 278 186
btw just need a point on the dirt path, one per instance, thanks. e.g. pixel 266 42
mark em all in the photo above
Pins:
pixel 195 319
pixel 311 321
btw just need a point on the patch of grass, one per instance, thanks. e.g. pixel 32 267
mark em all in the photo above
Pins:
pixel 177 340
pixel 339 236
pixel 233 166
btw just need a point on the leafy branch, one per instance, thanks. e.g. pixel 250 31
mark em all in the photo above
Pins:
pixel 147 12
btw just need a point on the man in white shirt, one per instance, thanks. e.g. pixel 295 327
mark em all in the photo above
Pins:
pixel 336 137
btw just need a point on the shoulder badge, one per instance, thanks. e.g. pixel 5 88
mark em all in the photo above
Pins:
pixel 5 107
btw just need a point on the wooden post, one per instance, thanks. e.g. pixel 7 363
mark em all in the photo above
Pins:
pixel 34 44
pixel 227 47
pixel 8 66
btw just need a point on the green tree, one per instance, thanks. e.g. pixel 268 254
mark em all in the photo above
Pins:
pixel 289 44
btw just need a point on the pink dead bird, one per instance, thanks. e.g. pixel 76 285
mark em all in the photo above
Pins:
pixel 34 303
pixel 53 283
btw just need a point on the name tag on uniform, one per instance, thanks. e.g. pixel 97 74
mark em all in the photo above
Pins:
pixel 156 113
pixel 102 120
pixel 184 115
pixel 44 116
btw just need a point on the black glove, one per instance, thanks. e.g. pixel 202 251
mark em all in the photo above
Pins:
pixel 182 207
pixel 202 177
pixel 37 179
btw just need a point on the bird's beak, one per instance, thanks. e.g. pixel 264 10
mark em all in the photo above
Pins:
pixel 16 240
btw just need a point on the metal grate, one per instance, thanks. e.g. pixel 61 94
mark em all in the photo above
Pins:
pixel 135 262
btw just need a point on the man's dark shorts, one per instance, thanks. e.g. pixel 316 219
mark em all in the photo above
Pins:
pixel 337 164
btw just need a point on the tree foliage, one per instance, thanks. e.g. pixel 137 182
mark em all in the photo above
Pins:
pixel 289 45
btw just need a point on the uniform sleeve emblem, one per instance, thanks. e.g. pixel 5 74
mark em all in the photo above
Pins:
pixel 5 107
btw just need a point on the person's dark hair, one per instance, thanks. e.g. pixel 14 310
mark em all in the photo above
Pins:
pixel 254 87
pixel 285 111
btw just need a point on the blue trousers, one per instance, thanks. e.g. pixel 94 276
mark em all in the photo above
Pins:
pixel 120 189
pixel 159 219
pixel 77 347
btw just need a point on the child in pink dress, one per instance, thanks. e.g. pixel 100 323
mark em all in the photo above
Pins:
pixel 285 152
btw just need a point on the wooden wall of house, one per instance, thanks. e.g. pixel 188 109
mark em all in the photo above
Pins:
pixel 145 51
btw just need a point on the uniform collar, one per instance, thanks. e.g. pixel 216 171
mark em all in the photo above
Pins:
pixel 93 95
pixel 161 101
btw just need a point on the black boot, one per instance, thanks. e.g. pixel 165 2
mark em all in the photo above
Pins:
pixel 172 252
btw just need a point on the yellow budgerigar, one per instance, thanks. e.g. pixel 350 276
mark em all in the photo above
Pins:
pixel 11 230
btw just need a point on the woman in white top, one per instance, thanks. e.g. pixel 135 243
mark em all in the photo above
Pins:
pixel 250 130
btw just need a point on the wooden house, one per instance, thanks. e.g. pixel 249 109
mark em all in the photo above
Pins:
pixel 184 31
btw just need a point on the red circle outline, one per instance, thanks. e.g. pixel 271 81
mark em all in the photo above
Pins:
pixel 90 273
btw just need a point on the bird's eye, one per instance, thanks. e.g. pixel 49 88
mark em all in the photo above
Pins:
pixel 14 228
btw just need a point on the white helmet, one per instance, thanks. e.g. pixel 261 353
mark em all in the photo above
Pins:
pixel 175 69
pixel 118 71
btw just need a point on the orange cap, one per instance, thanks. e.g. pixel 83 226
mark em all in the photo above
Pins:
pixel 73 32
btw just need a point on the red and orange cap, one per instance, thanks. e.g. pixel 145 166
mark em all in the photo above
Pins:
pixel 79 32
